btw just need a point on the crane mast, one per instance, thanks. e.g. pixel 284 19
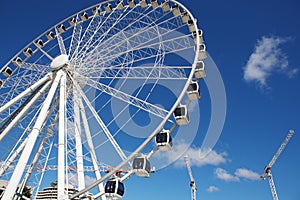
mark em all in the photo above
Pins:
pixel 267 170
pixel 192 180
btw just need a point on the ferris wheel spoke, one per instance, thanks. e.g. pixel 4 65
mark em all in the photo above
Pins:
pixel 103 126
pixel 24 93
pixel 60 42
pixel 90 145
pixel 75 39
pixel 146 106
pixel 19 113
pixel 147 33
pixel 102 31
pixel 135 20
pixel 141 72
pixel 143 51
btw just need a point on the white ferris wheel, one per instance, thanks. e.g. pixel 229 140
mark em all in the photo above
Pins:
pixel 69 98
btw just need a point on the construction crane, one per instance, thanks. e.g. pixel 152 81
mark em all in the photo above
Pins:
pixel 192 183
pixel 267 170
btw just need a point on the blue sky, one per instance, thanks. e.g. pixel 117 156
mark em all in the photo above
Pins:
pixel 255 45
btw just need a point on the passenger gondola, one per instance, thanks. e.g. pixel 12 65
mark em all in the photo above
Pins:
pixel 131 3
pixel 200 70
pixel 181 115
pixel 165 6
pixel 28 52
pixel 50 35
pixel 84 16
pixel 193 91
pixel 163 140
pixel 7 71
pixel 154 4
pixel 17 61
pixel 114 189
pixel 176 10
pixel 39 43
pixel 143 3
pixel 141 166
pixel 108 8
pixel 202 52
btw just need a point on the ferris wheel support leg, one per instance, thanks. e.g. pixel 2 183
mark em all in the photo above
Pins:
pixel 101 123
pixel 79 157
pixel 61 139
pixel 25 92
pixel 23 111
pixel 91 147
pixel 8 128
pixel 17 174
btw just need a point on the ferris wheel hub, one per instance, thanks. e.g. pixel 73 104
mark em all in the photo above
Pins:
pixel 59 62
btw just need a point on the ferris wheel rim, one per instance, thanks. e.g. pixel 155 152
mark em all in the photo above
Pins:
pixel 179 98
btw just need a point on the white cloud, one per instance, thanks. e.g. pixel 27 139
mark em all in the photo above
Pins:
pixel 247 174
pixel 225 176
pixel 212 189
pixel 199 157
pixel 266 59
pixel 239 173
pixel 73 180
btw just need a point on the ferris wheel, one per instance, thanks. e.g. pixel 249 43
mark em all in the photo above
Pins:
pixel 96 96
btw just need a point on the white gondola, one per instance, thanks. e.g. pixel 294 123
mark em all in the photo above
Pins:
pixel 193 91
pixel 120 5
pixel 176 10
pixel 84 16
pixel 143 3
pixel 200 32
pixel 7 71
pixel 17 61
pixel 61 28
pixel 181 115
pixel 191 25
pixel 50 35
pixel 72 21
pixel 154 4
pixel 141 166
pixel 1 83
pixel 28 52
pixel 202 52
pixel 96 11
pixel 185 17
pixel 131 3
pixel 163 140
pixel 39 43
pixel 165 6
pixel 108 8
pixel 200 70
pixel 114 189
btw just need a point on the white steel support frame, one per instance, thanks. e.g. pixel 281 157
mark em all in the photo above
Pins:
pixel 192 180
pixel 272 186
pixel 267 171
pixel 77 128
pixel 25 92
pixel 21 165
pixel 23 111
pixel 91 147
pixel 61 195
pixel 101 123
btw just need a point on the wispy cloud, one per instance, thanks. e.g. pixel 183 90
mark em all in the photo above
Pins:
pixel 199 157
pixel 266 59
pixel 247 174
pixel 240 173
pixel 225 176
pixel 212 189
